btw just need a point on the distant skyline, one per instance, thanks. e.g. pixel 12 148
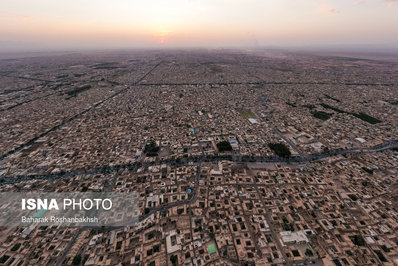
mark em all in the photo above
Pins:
pixel 41 25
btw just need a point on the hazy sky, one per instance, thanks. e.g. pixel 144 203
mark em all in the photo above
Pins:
pixel 85 24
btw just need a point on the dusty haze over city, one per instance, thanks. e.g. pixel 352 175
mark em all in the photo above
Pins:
pixel 45 25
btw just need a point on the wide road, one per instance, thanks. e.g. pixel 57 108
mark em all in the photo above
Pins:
pixel 13 179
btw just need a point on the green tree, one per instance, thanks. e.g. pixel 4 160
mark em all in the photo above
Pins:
pixel 224 146
pixel 151 149
pixel 174 259
pixel 77 259
pixel 280 149
pixel 358 240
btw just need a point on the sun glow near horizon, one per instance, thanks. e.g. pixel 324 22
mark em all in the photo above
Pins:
pixel 122 23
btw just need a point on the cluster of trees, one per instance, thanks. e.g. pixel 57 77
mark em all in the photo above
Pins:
pixel 358 240
pixel 151 149
pixel 280 149
pixel 174 259
pixel 309 253
pixel 362 116
pixel 321 115
pixel 286 225
pixel 78 90
pixel 367 118
pixel 353 197
pixel 224 146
